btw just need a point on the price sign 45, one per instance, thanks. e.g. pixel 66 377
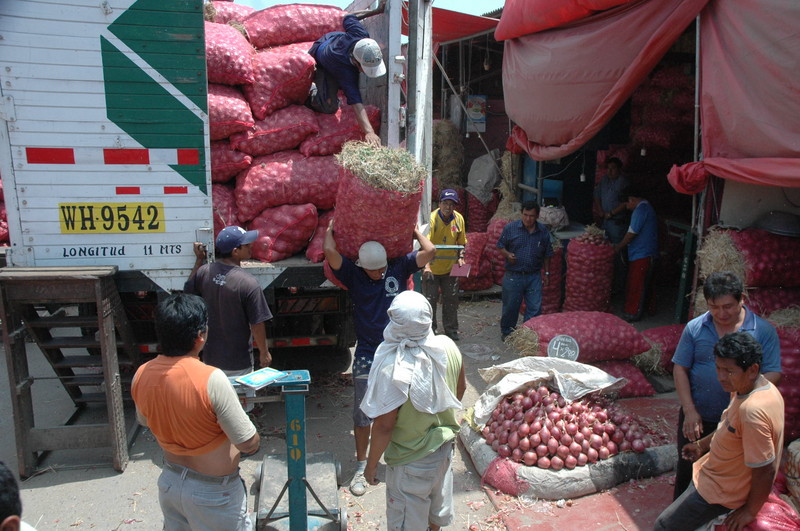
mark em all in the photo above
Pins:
pixel 104 218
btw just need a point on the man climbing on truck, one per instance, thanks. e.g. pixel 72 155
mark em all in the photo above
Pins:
pixel 373 282
pixel 340 56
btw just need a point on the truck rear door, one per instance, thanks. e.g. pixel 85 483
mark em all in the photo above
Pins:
pixel 103 144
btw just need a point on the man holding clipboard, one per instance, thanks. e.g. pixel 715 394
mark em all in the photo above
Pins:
pixel 447 228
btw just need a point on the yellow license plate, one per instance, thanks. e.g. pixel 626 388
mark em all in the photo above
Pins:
pixel 118 218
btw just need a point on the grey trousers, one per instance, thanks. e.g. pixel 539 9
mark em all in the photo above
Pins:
pixel 689 511
pixel 448 286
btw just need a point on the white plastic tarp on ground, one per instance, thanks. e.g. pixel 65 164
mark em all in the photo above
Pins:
pixel 572 379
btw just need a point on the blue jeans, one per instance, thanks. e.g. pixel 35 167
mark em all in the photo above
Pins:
pixel 689 511
pixel 192 501
pixel 515 287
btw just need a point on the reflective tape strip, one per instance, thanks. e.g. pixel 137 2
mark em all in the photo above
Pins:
pixel 175 157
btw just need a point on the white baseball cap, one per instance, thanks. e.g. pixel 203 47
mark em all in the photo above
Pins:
pixel 368 54
pixel 372 256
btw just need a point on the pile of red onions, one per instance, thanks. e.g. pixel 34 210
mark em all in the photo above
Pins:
pixel 538 427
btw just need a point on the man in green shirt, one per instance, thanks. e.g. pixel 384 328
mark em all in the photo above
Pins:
pixel 415 386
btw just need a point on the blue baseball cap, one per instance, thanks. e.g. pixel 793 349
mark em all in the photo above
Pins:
pixel 232 237
pixel 452 195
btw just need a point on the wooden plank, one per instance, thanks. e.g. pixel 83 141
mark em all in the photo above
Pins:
pixel 69 437
pixel 82 361
pixel 64 321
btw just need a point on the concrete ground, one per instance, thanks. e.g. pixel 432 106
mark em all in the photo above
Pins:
pixel 78 489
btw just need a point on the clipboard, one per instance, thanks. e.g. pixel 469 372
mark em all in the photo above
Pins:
pixel 460 271
pixel 261 377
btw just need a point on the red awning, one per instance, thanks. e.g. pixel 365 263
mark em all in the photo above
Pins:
pixel 452 26
pixel 524 17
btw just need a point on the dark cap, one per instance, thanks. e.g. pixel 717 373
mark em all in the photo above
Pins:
pixel 232 237
pixel 452 195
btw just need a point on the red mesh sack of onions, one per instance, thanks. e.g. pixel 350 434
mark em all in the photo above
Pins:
pixel 314 250
pixel 230 11
pixel 666 339
pixel 224 207
pixel 764 301
pixel 590 271
pixel 790 382
pixel 228 55
pixel 494 230
pixel 637 383
pixel 280 80
pixel 227 162
pixel 285 24
pixel 283 129
pixel 601 336
pixel 283 231
pixel 377 179
pixel 295 47
pixel 775 515
pixel 770 259
pixel 480 270
pixel 286 178
pixel 478 214
pixel 552 292
pixel 538 427
pixel 228 111
pixel 337 129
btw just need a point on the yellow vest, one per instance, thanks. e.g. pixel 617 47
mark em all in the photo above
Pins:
pixel 453 233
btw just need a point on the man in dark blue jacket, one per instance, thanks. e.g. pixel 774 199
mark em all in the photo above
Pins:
pixel 340 56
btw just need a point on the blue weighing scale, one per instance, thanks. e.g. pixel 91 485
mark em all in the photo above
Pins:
pixel 286 481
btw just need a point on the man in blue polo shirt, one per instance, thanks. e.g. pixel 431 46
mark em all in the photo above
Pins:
pixel 373 283
pixel 642 243
pixel 340 56
pixel 699 391
pixel 527 248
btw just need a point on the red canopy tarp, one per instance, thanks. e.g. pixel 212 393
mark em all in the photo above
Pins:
pixel 523 17
pixel 750 95
pixel 563 85
pixel 451 25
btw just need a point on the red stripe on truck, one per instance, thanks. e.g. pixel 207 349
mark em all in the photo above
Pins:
pixel 188 157
pixel 126 156
pixel 50 155
pixel 176 190
pixel 128 190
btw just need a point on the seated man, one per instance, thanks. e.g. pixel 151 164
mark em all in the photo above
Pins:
pixel 736 465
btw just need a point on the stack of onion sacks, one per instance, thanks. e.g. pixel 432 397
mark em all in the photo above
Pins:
pixel 590 271
pixel 538 427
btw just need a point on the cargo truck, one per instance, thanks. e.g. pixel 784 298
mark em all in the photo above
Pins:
pixel 104 155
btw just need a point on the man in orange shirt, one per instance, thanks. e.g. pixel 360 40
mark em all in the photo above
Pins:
pixel 195 415
pixel 735 465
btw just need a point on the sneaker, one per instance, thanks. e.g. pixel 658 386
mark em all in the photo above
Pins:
pixel 358 486
pixel 453 335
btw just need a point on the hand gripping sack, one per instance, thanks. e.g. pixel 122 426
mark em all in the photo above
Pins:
pixel 227 162
pixel 284 129
pixel 228 111
pixel 285 24
pixel 314 251
pixel 338 128
pixel 280 80
pixel 228 55
pixel 286 178
pixel 283 231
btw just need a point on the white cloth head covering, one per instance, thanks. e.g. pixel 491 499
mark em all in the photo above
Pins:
pixel 411 363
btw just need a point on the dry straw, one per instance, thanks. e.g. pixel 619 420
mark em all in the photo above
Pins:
pixel 649 362
pixel 594 230
pixel 525 341
pixel 209 12
pixel 382 168
pixel 786 317
pixel 718 253
pixel 447 154
pixel 506 208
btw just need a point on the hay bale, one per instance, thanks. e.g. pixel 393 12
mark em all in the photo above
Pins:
pixel 209 12
pixel 507 209
pixel 525 341
pixel 393 170
pixel 447 154
pixel 786 317
pixel 718 253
